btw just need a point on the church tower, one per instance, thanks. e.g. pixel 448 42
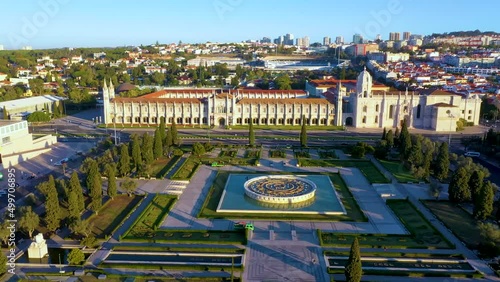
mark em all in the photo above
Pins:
pixel 106 106
pixel 339 105
pixel 111 90
pixel 364 84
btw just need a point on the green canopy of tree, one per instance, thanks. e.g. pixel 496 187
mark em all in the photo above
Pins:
pixel 353 271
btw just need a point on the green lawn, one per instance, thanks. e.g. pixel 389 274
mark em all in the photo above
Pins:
pixel 161 165
pixel 187 169
pixel 423 234
pixel 152 216
pixel 369 170
pixel 112 214
pixel 460 222
pixel 399 171
pixel 417 224
pixel 191 237
pixel 212 200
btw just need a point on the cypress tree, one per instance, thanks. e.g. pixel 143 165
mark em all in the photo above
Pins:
pixel 404 141
pixel 303 133
pixel 112 182
pixel 52 208
pixel 458 190
pixel 74 186
pixel 173 129
pixel 124 161
pixel 442 162
pixel 96 194
pixel 483 206
pixel 136 151
pixel 169 141
pixel 73 208
pixel 147 148
pixel 353 271
pixel 389 137
pixel 251 134
pixel 384 134
pixel 162 128
pixel 158 145
pixel 475 183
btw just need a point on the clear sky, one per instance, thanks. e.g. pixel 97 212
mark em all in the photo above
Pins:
pixel 106 23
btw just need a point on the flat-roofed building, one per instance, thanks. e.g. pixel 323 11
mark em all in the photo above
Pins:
pixel 18 145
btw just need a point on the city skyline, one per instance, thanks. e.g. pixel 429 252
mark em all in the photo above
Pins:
pixel 66 23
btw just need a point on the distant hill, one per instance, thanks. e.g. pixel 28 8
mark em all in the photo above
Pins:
pixel 476 32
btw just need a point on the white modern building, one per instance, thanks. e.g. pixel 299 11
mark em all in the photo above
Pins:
pixel 20 108
pixel 18 145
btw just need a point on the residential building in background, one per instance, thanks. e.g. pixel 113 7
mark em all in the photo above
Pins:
pixel 326 41
pixel 357 38
pixel 339 40
pixel 406 35
pixel 394 36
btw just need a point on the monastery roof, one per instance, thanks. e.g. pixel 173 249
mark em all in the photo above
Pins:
pixel 437 92
pixel 157 100
pixel 269 91
pixel 284 101
pixel 443 105
pixel 160 93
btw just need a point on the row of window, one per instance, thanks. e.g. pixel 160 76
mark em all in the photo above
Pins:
pixel 13 127
pixel 240 121
pixel 223 110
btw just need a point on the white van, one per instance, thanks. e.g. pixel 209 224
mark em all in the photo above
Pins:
pixel 472 154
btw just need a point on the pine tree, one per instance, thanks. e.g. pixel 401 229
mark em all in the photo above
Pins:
pixel 483 206
pixel 442 162
pixel 458 190
pixel 384 134
pixel 251 134
pixel 303 133
pixel 475 183
pixel 52 208
pixel 147 148
pixel 173 128
pixel 404 141
pixel 353 270
pixel 112 182
pixel 136 151
pixel 124 161
pixel 157 145
pixel 96 194
pixel 74 185
pixel 29 220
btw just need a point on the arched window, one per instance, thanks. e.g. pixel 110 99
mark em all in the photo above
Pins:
pixel 365 109
pixel 391 111
pixel 364 119
pixel 419 108
pixel 376 108
pixel 366 94
pixel 376 119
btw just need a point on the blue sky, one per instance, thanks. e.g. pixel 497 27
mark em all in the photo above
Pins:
pixel 93 23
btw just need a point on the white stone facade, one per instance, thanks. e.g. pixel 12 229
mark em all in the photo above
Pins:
pixel 219 108
pixel 435 110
